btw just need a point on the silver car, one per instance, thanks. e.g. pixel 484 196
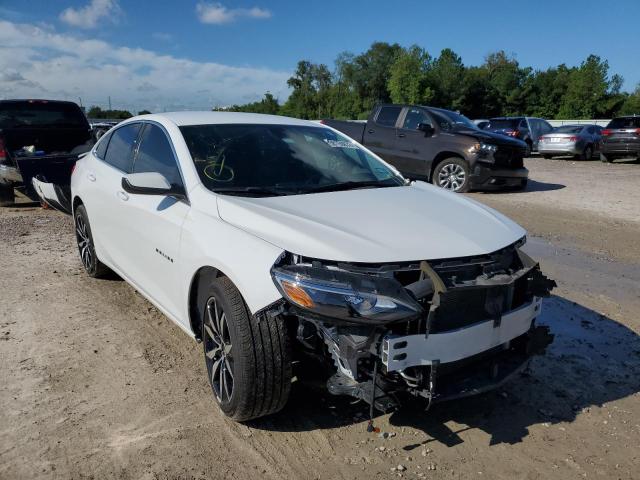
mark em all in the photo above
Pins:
pixel 580 141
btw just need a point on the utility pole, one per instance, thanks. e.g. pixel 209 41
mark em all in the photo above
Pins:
pixel 109 102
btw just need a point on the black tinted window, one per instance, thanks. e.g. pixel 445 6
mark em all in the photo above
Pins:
pixel 155 155
pixel 102 146
pixel 388 116
pixel 500 123
pixel 629 122
pixel 121 145
pixel 41 113
pixel 415 117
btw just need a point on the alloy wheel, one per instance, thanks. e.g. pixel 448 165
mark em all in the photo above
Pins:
pixel 451 177
pixel 218 351
pixel 84 243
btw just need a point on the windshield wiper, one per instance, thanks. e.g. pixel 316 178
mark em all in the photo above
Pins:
pixel 257 191
pixel 335 187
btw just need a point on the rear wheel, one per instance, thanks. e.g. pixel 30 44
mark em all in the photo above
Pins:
pixel 452 174
pixel 7 195
pixel 586 154
pixel 94 267
pixel 248 360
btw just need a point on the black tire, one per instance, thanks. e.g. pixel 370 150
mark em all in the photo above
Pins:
pixel 452 174
pixel 605 159
pixel 587 153
pixel 92 265
pixel 529 149
pixel 523 185
pixel 7 195
pixel 547 157
pixel 251 356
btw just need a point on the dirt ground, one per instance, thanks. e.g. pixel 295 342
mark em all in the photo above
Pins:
pixel 96 383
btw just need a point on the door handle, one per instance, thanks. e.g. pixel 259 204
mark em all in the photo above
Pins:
pixel 123 196
pixel 401 135
pixel 370 130
pixel 91 177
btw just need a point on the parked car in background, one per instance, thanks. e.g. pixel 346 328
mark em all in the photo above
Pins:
pixel 100 127
pixel 621 138
pixel 439 146
pixel 581 141
pixel 40 140
pixel 527 129
pixel 271 239
pixel 481 123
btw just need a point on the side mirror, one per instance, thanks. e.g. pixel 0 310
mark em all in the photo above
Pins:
pixel 426 128
pixel 150 183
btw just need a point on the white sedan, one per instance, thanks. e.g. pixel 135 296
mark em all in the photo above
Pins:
pixel 268 238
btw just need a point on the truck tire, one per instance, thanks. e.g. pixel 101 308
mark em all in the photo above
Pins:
pixel 7 195
pixel 92 265
pixel 452 174
pixel 248 360
pixel 586 154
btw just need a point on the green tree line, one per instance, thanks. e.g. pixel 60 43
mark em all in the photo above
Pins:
pixel 500 86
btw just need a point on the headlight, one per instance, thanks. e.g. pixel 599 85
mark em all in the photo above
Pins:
pixel 483 147
pixel 343 295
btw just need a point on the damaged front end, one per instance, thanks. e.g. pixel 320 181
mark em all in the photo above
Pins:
pixel 438 329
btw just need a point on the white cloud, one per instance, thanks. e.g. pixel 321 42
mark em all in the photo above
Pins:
pixel 89 15
pixel 39 62
pixel 217 14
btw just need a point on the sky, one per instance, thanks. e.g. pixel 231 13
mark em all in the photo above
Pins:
pixel 194 54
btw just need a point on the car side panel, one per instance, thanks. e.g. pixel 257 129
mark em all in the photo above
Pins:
pixel 207 240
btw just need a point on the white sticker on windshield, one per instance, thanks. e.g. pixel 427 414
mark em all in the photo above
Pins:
pixel 340 143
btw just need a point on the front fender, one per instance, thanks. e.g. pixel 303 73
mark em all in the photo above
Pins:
pixel 245 259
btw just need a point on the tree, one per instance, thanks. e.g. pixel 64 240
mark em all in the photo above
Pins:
pixel 447 76
pixel 588 89
pixel 631 104
pixel 408 77
pixel 269 105
pixel 144 112
pixel 97 112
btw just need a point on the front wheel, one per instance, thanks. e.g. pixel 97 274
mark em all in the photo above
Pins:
pixel 248 360
pixel 452 174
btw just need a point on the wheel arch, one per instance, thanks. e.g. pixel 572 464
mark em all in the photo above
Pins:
pixel 202 277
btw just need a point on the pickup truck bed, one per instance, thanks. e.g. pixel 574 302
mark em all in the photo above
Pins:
pixel 352 128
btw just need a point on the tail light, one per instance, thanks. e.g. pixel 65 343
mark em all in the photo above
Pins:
pixel 541 139
pixel 513 133
pixel 573 139
pixel 322 122
pixel 606 132
pixel 3 151
pixel 73 167
pixel 638 131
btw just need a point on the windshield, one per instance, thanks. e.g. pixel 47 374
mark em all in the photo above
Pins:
pixel 281 160
pixel 449 120
pixel 41 114
pixel 568 129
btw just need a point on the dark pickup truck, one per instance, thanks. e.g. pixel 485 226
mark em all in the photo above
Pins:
pixel 439 146
pixel 40 141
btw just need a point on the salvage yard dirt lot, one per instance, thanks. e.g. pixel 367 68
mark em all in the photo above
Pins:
pixel 96 383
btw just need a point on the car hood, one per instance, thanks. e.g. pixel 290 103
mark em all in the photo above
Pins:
pixel 393 224
pixel 495 138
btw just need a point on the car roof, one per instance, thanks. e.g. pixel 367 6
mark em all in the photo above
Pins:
pixel 212 118
pixel 37 100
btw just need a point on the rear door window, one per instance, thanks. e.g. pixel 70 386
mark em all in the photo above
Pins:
pixel 387 116
pixel 101 149
pixel 156 155
pixel 120 148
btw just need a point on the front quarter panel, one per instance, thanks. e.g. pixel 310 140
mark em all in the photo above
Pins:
pixel 207 240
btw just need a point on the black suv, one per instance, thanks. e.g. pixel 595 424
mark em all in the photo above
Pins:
pixel 621 138
pixel 439 146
